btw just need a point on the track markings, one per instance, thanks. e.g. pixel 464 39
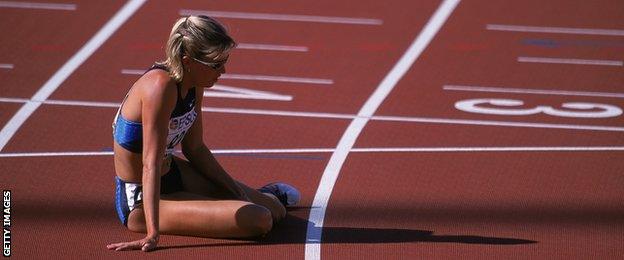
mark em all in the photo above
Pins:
pixel 570 61
pixel 254 77
pixel 67 69
pixel 431 120
pixel 271 47
pixel 278 78
pixel 339 156
pixel 32 5
pixel 544 29
pixel 532 91
pixel 132 72
pixel 355 150
pixel 283 17
pixel 551 43
pixel 61 102
pixel 222 91
pixel 489 149
pixel 277 113
pixel 82 103
pixel 6 66
pixel 497 123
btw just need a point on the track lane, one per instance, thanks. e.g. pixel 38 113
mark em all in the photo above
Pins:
pixel 349 216
pixel 7 110
pixel 301 130
pixel 477 205
pixel 480 204
pixel 352 59
pixel 70 128
pixel 71 197
pixel 37 40
pixel 479 57
pixel 397 134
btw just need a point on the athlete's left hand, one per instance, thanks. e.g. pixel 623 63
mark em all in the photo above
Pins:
pixel 146 244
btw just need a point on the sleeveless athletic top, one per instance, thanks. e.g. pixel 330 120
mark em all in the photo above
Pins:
pixel 129 134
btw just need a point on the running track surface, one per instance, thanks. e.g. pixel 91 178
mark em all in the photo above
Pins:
pixel 467 184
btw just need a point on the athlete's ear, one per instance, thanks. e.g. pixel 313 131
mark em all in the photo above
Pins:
pixel 186 60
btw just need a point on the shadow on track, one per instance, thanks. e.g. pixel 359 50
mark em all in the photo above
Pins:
pixel 292 231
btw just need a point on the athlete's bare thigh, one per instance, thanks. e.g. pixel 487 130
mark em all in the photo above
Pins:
pixel 183 213
pixel 194 182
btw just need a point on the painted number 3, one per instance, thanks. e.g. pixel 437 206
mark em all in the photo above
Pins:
pixel 574 109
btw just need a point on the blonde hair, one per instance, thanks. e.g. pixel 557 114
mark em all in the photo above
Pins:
pixel 197 37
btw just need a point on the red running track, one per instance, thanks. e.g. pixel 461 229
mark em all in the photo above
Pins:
pixel 404 204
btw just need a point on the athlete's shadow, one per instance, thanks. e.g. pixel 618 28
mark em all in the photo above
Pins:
pixel 293 231
pixel 283 234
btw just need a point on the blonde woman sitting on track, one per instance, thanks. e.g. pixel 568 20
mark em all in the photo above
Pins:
pixel 159 193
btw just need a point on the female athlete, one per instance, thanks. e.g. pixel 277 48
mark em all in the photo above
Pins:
pixel 160 193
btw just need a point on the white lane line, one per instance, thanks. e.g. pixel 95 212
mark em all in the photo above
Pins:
pixel 61 102
pixel 54 154
pixel 277 113
pixel 263 151
pixel 489 149
pixel 532 91
pixel 14 100
pixel 223 91
pixel 496 123
pixel 67 69
pixel 6 66
pixel 571 61
pixel 254 77
pixel 222 151
pixel 432 120
pixel 283 17
pixel 544 29
pixel 278 78
pixel 271 47
pixel 204 109
pixel 132 72
pixel 358 150
pixel 338 157
pixel 32 5
pixel 82 103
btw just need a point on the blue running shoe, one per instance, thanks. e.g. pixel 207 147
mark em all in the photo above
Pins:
pixel 287 194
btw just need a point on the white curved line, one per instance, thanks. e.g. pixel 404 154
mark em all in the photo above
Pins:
pixel 326 185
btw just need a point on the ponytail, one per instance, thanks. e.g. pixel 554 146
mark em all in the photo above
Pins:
pixel 195 36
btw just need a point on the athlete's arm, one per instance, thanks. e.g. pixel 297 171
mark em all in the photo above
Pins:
pixel 201 158
pixel 157 103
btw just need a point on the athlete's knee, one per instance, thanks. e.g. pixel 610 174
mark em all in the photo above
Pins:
pixel 136 221
pixel 254 219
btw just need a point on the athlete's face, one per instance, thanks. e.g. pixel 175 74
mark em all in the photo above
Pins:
pixel 205 72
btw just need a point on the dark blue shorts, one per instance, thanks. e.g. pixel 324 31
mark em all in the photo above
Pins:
pixel 129 195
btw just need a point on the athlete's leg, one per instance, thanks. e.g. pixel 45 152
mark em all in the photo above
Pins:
pixel 267 200
pixel 188 214
pixel 195 182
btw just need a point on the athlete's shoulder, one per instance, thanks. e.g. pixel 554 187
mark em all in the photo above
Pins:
pixel 157 77
pixel 157 85
pixel 159 74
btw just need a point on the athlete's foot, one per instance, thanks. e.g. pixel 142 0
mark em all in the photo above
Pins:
pixel 288 195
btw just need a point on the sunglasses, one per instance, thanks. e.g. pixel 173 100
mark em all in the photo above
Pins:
pixel 213 65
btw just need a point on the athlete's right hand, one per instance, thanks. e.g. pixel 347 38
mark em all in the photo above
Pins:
pixel 146 244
